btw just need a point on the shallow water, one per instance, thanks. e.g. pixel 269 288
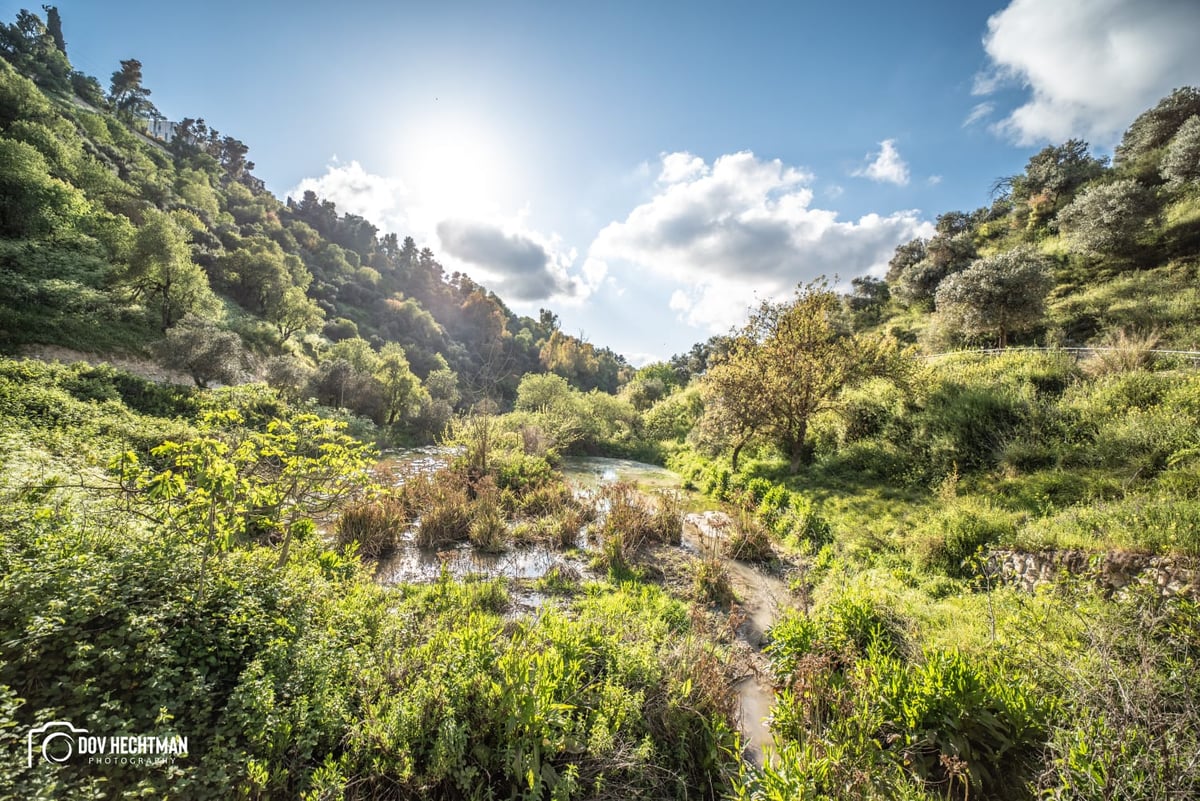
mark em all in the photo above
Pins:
pixel 761 595
pixel 592 471
pixel 413 564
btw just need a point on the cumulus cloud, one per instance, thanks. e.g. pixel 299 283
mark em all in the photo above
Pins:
pixel 886 167
pixel 1090 66
pixel 743 229
pixel 680 167
pixel 352 189
pixel 529 266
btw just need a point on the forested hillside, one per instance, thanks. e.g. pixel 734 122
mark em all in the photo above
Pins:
pixel 1075 250
pixel 115 240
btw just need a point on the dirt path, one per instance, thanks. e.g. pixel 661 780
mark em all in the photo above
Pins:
pixel 139 367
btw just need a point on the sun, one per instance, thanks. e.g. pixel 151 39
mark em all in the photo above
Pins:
pixel 456 166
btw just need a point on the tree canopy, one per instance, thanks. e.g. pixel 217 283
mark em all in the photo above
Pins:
pixel 997 295
pixel 789 362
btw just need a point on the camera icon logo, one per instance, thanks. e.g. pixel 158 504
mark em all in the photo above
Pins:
pixel 54 740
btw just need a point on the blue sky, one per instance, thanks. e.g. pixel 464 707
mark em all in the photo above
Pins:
pixel 648 170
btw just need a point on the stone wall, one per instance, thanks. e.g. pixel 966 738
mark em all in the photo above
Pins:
pixel 1114 570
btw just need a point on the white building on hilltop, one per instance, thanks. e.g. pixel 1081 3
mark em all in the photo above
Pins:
pixel 162 129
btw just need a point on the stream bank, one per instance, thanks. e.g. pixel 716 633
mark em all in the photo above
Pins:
pixel 761 593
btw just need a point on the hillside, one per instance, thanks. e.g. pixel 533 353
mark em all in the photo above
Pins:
pixel 117 241
pixel 1109 248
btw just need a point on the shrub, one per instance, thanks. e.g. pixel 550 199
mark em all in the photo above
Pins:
pixel 487 528
pixel 375 524
pixel 750 541
pixel 666 521
pixel 953 535
pixel 441 506
pixel 1122 352
pixel 968 728
pixel 711 583
pixel 520 472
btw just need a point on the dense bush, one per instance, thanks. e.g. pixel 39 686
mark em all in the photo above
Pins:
pixel 958 532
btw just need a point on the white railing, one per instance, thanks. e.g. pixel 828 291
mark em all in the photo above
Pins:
pixel 1191 355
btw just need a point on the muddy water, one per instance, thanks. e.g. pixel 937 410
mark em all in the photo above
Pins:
pixel 761 595
pixel 762 598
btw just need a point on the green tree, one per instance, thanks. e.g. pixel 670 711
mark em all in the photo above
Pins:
pixel 437 403
pixel 866 301
pixel 401 389
pixel 918 268
pixel 161 272
pixel 1140 148
pixel 346 378
pixel 294 312
pixel 230 485
pixel 289 375
pixel 126 91
pixel 1107 219
pixel 906 255
pixel 1181 162
pixel 1055 172
pixel 206 352
pixel 32 202
pixel 997 295
pixel 54 28
pixel 20 98
pixel 788 363
pixel 257 273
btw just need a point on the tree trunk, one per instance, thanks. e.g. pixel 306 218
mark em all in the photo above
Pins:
pixel 737 451
pixel 799 453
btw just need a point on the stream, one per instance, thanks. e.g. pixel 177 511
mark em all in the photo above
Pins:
pixel 761 595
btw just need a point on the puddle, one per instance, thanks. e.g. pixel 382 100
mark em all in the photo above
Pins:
pixel 592 471
pixel 762 597
pixel 404 464
pixel 413 564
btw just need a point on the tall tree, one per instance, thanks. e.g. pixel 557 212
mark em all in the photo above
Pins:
pixel 293 312
pixel 788 363
pixel 998 295
pixel 401 389
pixel 54 28
pixel 161 272
pixel 127 92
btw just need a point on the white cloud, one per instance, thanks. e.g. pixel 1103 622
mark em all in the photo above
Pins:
pixel 933 180
pixel 503 254
pixel 742 229
pixel 352 189
pixel 978 112
pixel 528 265
pixel 887 166
pixel 680 167
pixel 641 359
pixel 1090 66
